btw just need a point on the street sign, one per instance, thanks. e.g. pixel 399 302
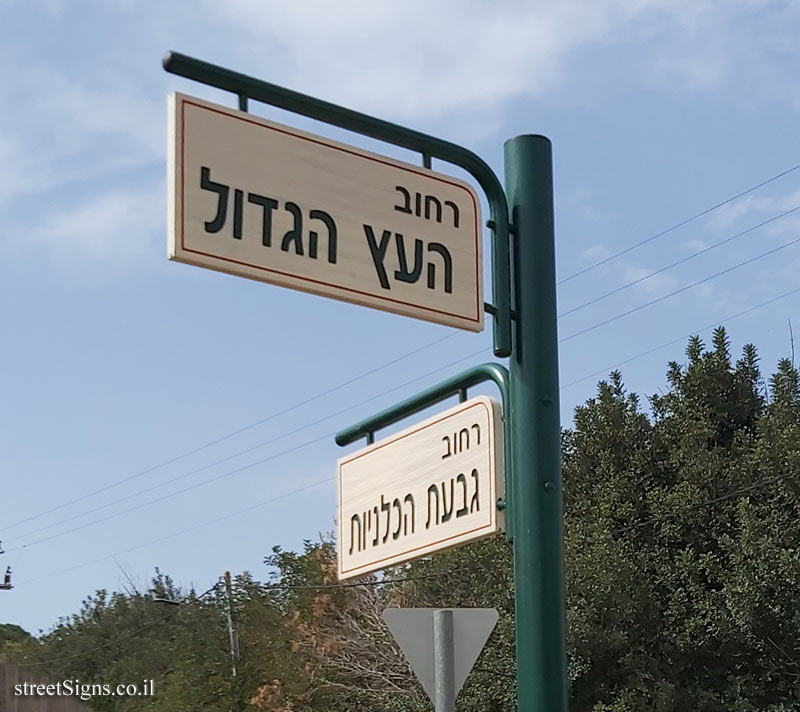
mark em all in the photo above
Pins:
pixel 432 486
pixel 268 202
pixel 415 630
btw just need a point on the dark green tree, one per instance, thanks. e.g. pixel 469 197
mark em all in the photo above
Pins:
pixel 682 563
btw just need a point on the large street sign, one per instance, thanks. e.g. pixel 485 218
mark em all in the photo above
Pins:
pixel 430 487
pixel 260 200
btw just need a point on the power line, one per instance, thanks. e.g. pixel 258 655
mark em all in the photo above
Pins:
pixel 679 224
pixel 124 638
pixel 237 470
pixel 678 262
pixel 715 500
pixel 357 584
pixel 407 355
pixel 273 587
pixel 233 433
pixel 605 371
pixel 225 459
pixel 153 542
pixel 678 291
pixel 303 489
pixel 407 383
pixel 181 491
pixel 708 502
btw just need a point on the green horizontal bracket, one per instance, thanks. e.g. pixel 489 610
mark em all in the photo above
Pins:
pixel 457 385
pixel 246 87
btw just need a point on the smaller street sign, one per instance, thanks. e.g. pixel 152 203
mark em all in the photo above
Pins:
pixel 430 487
pixel 413 629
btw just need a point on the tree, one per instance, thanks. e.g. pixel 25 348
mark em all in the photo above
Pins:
pixel 682 558
pixel 682 569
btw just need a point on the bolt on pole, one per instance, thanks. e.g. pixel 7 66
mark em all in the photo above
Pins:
pixel 535 431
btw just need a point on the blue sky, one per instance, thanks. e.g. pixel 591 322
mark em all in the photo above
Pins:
pixel 116 363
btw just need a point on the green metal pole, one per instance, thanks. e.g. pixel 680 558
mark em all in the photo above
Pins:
pixel 536 433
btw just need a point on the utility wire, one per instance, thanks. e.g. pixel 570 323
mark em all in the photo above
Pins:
pixel 232 434
pixel 324 437
pixel 413 352
pixel 680 261
pixel 237 470
pixel 153 542
pixel 449 573
pixel 708 502
pixel 225 459
pixel 257 505
pixel 181 491
pixel 262 461
pixel 680 224
pixel 357 584
pixel 678 291
pixel 197 599
pixel 124 638
pixel 605 371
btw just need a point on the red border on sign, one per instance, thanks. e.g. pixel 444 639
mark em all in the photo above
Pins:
pixel 377 159
pixel 404 554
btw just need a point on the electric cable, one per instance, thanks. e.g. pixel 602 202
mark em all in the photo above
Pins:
pixel 678 291
pixel 193 528
pixel 679 262
pixel 426 346
pixel 680 224
pixel 124 638
pixel 225 459
pixel 232 434
pixel 470 356
pixel 317 484
pixel 448 365
pixel 275 587
pixel 605 371
pixel 268 587
pixel 181 491
pixel 708 502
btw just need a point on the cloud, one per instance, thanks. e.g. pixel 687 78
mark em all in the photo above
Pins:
pixel 693 246
pixel 428 58
pixel 703 291
pixel 754 207
pixel 727 215
pixel 73 133
pixel 101 117
pixel 113 227
pixel 656 283
pixel 596 252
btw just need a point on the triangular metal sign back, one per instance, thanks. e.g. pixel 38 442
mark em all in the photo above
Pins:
pixel 412 628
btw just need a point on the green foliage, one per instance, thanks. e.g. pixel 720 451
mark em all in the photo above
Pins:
pixel 682 556
pixel 12 635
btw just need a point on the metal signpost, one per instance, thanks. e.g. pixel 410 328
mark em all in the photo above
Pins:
pixel 522 245
pixel 441 645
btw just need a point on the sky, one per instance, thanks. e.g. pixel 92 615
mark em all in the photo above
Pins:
pixel 156 414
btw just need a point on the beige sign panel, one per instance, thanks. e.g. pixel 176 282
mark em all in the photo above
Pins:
pixel 260 200
pixel 427 488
